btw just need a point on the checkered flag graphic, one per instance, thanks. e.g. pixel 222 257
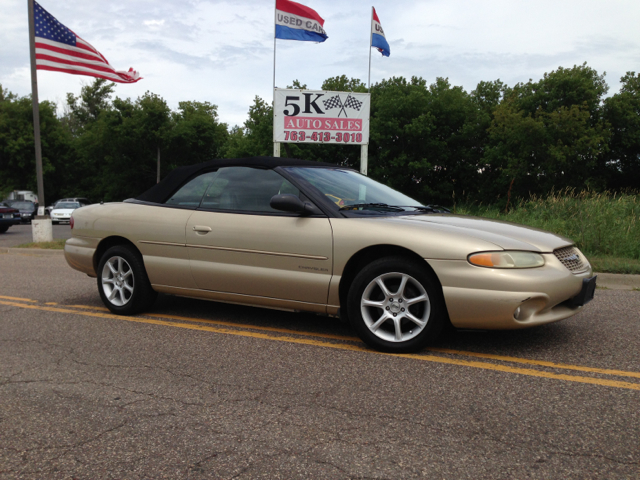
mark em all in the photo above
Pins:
pixel 333 102
pixel 352 102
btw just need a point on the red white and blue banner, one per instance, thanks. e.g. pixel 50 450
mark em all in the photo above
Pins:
pixel 60 50
pixel 316 116
pixel 297 22
pixel 378 40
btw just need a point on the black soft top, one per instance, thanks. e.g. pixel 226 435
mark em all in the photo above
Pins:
pixel 178 177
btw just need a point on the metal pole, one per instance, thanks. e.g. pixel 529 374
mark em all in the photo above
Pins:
pixel 370 40
pixel 36 108
pixel 364 158
pixel 276 145
pixel 158 179
pixel 364 149
pixel 275 18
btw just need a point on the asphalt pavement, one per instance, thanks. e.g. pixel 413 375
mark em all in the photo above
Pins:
pixel 197 390
pixel 20 234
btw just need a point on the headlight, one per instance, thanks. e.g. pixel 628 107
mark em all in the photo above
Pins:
pixel 507 259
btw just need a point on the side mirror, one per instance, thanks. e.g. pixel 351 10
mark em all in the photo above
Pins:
pixel 291 203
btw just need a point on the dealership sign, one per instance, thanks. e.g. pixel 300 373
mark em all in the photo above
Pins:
pixel 311 116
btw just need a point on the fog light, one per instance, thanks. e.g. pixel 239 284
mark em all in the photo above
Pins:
pixel 516 314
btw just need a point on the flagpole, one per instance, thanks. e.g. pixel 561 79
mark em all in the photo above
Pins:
pixel 370 41
pixel 364 148
pixel 41 225
pixel 276 145
pixel 36 105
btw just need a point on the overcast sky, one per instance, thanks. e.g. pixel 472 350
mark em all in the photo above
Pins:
pixel 222 51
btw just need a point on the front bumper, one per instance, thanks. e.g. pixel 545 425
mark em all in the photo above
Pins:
pixel 499 299
pixel 60 218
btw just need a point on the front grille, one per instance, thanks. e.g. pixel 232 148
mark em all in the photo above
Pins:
pixel 572 258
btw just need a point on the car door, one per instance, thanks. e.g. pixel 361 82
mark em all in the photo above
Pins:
pixel 239 245
pixel 159 233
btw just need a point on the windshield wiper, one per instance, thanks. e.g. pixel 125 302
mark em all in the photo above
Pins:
pixel 355 206
pixel 429 208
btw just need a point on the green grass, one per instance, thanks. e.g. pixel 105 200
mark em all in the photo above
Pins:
pixel 55 245
pixel 615 265
pixel 605 226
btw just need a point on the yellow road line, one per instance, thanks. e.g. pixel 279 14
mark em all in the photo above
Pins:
pixel 234 324
pixel 102 309
pixel 342 346
pixel 20 299
pixel 541 363
pixel 256 327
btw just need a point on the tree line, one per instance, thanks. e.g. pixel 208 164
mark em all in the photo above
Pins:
pixel 437 143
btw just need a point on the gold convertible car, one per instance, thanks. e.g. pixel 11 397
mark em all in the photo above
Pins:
pixel 309 236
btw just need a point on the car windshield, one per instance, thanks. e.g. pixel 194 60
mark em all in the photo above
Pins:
pixel 67 205
pixel 350 190
pixel 22 205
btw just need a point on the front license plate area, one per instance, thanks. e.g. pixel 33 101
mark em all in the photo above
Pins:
pixel 587 292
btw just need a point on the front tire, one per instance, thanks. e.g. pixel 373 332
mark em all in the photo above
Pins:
pixel 123 283
pixel 396 306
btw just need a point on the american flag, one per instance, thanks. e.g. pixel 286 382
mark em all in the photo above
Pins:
pixel 60 50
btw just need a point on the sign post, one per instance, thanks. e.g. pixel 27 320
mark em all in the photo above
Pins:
pixel 364 159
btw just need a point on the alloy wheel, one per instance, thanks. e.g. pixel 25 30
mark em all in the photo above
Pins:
pixel 118 281
pixel 395 307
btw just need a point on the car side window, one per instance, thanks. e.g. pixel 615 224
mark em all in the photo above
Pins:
pixel 246 189
pixel 191 193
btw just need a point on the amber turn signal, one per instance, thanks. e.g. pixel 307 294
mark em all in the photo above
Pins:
pixel 507 259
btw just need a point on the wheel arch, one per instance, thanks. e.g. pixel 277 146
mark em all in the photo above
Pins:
pixel 369 254
pixel 106 244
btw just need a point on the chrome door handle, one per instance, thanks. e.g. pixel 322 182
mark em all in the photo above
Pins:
pixel 201 229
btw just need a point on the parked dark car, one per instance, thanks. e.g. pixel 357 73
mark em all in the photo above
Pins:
pixel 28 210
pixel 8 216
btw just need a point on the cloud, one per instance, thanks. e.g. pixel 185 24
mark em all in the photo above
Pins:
pixel 222 51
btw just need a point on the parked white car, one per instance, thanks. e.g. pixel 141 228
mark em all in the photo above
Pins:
pixel 62 211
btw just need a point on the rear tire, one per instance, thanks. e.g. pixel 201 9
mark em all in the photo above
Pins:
pixel 123 282
pixel 3 229
pixel 396 305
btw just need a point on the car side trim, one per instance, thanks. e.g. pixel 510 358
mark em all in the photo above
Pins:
pixel 261 252
pixel 241 299
pixel 170 244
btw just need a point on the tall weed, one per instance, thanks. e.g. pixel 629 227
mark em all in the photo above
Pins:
pixel 599 223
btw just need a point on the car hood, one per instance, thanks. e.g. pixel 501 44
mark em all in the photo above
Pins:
pixel 64 211
pixel 503 234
